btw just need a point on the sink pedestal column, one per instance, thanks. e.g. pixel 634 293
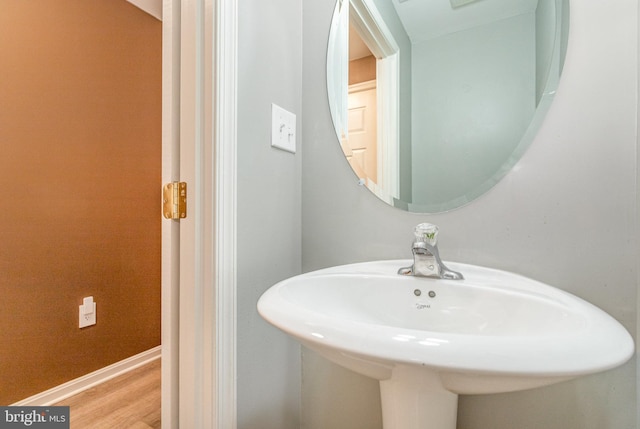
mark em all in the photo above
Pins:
pixel 413 398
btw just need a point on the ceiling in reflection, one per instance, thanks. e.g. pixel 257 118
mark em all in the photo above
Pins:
pixel 424 20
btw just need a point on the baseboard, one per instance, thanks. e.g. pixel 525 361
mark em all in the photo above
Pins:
pixel 73 387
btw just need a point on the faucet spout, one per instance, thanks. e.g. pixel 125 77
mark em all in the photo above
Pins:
pixel 426 256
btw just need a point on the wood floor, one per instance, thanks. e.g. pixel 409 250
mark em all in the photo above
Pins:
pixel 130 401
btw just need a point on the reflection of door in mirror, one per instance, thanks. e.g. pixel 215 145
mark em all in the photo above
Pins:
pixel 360 144
pixel 373 82
pixel 359 20
pixel 363 134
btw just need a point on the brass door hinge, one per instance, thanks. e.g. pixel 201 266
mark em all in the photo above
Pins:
pixel 174 200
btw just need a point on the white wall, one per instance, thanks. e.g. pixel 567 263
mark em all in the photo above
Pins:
pixel 269 218
pixel 565 215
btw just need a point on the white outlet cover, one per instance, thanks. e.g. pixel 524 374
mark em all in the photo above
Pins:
pixel 283 129
pixel 87 312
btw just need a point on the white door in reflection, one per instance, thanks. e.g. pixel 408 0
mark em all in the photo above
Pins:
pixel 360 147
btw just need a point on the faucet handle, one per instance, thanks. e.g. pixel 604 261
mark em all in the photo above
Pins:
pixel 426 233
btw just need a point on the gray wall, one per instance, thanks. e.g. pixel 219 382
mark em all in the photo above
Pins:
pixel 473 99
pixel 269 218
pixel 565 215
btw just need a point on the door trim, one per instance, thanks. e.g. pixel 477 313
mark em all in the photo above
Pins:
pixel 199 253
pixel 225 158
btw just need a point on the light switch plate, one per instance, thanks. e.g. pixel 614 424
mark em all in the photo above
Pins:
pixel 283 129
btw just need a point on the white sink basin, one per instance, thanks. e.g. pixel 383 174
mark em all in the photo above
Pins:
pixel 432 339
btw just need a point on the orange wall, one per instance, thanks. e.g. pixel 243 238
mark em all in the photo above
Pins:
pixel 80 133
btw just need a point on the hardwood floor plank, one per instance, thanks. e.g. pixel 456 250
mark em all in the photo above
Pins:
pixel 130 401
pixel 141 425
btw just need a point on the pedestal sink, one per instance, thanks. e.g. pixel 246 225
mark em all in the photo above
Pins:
pixel 429 340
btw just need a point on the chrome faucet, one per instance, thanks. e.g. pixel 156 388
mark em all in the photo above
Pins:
pixel 426 258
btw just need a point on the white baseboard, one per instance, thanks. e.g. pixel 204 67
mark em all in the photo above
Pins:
pixel 73 387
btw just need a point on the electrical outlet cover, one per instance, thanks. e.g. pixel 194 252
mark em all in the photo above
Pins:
pixel 87 312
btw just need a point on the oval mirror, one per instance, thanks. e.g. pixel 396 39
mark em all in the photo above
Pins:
pixel 433 102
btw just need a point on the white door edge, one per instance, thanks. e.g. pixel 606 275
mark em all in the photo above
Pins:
pixel 170 230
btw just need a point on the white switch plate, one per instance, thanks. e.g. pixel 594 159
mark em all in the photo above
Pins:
pixel 87 312
pixel 283 129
